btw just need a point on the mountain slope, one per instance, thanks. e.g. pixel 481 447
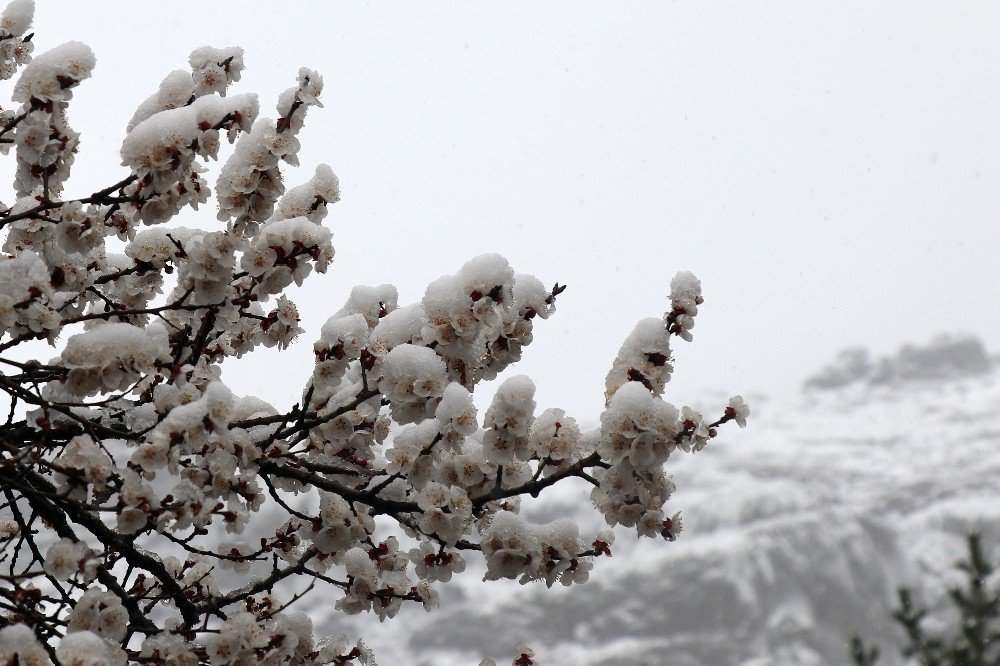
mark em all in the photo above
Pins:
pixel 798 530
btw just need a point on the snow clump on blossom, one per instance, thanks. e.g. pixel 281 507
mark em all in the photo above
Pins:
pixel 213 70
pixel 401 326
pixel 157 147
pixel 644 357
pixel 25 296
pixel 45 142
pixel 553 552
pixel 250 181
pixel 280 254
pixel 639 431
pixel 342 339
pixel 637 425
pixel 310 199
pixel 481 317
pixel 371 302
pixel 456 414
pixel 413 380
pixel 685 297
pixel 508 421
pixel 161 152
pixel 176 90
pixel 113 356
pixel 531 299
pixel 15 47
pixel 189 426
pixel 51 76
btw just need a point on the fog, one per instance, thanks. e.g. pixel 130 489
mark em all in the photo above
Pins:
pixel 829 172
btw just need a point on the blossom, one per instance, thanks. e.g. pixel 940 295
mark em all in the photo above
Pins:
pixel 100 612
pixel 85 648
pixel 18 645
pixel 65 558
pixel 554 436
pixel 738 410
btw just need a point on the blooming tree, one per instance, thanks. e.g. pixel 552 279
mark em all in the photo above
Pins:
pixel 150 515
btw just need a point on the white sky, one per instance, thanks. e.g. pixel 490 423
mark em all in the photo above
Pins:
pixel 829 171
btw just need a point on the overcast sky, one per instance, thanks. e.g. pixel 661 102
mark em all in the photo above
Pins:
pixel 829 171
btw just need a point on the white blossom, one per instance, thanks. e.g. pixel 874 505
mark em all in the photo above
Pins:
pixel 65 558
pixel 85 648
pixel 18 645
pixel 738 410
pixel 100 612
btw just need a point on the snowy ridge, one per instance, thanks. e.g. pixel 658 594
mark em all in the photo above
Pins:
pixel 797 533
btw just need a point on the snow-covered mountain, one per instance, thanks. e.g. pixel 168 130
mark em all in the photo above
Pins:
pixel 797 532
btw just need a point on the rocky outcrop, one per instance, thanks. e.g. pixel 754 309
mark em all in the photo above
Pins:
pixel 944 358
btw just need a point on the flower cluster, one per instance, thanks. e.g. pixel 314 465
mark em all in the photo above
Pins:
pixel 555 439
pixel 15 46
pixel 337 527
pixel 685 297
pixel 26 305
pixel 100 612
pixel 280 254
pixel 481 317
pixel 167 649
pixel 552 552
pixel 64 559
pixel 84 465
pixel 161 152
pixel 85 648
pixel 248 637
pixel 214 70
pixel 18 645
pixel 508 421
pixel 44 140
pixel 644 357
pixel 523 656
pixel 250 181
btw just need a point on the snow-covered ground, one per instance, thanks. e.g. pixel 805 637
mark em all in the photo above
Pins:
pixel 797 532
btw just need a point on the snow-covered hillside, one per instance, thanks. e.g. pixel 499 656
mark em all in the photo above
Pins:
pixel 797 532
